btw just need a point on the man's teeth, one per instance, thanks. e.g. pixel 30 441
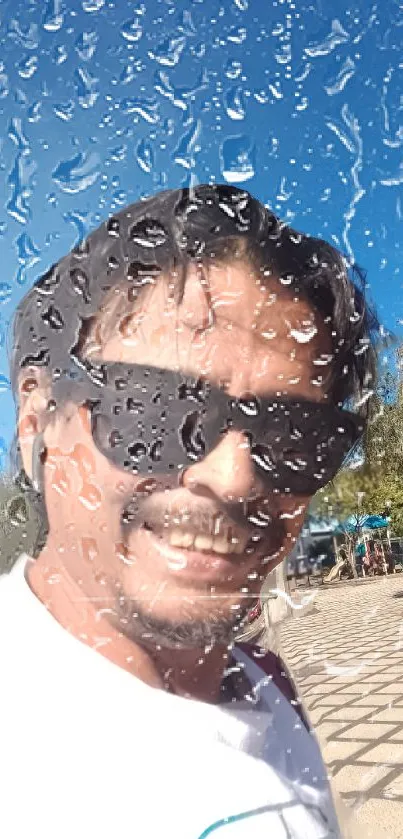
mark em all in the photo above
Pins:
pixel 203 542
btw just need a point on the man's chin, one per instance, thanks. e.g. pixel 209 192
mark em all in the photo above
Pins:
pixel 186 628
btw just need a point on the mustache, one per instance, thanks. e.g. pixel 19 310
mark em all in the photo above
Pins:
pixel 205 516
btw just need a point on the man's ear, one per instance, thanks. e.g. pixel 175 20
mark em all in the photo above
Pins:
pixel 33 416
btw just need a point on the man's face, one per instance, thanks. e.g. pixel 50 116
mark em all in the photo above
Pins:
pixel 183 558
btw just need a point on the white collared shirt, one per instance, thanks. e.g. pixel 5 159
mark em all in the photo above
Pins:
pixel 89 751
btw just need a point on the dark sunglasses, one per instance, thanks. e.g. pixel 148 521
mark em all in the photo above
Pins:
pixel 150 420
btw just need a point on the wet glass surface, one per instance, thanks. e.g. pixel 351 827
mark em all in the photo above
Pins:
pixel 206 348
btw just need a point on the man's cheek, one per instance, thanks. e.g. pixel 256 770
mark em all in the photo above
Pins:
pixel 293 515
pixel 294 511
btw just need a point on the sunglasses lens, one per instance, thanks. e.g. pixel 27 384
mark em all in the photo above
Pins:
pixel 296 447
pixel 301 472
pixel 192 437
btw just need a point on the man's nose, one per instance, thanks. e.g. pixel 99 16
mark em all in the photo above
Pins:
pixel 227 471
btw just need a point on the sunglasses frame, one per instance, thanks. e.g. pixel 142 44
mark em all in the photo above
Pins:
pixel 108 382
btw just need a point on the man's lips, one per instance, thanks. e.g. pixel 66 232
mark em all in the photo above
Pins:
pixel 206 566
pixel 184 528
pixel 198 540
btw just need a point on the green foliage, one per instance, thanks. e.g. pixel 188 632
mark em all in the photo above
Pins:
pixel 376 487
pixel 358 492
pixel 383 443
pixel 345 496
pixel 18 524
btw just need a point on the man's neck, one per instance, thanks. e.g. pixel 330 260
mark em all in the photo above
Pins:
pixel 192 673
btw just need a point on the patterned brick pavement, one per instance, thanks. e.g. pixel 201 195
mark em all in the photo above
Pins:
pixel 347 658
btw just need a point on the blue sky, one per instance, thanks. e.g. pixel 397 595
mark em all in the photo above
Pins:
pixel 103 102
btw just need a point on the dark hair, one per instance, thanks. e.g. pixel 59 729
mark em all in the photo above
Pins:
pixel 164 233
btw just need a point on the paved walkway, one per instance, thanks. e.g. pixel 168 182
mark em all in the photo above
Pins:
pixel 347 658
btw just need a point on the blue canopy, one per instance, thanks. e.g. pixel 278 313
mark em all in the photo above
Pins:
pixel 355 524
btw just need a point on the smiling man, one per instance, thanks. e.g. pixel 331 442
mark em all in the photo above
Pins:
pixel 186 379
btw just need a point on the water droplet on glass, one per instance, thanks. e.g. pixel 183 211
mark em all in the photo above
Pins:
pixel 64 110
pixel 28 66
pixel 148 234
pixel 34 112
pixel 27 37
pixel 60 481
pixel 80 283
pixel 90 497
pixel 183 154
pixel 16 133
pixel 237 35
pixel 137 451
pixel 20 97
pixel 86 45
pixel 89 549
pixel 337 84
pixel 186 24
pixel 145 155
pixel 128 73
pixel 233 69
pixel 28 256
pixel 60 54
pixel 234 104
pixel 178 94
pixel 118 153
pixel 53 17
pixel 123 553
pixel 53 318
pixel 191 436
pixel 135 406
pixel 249 405
pixel 132 30
pixel 305 334
pixel 77 173
pixel 156 451
pixel 4 87
pixel 394 180
pixel 27 251
pixel 113 263
pixel 298 464
pixel 48 282
pixel 93 5
pixel 337 36
pixel 113 227
pixel 79 220
pixel 237 156
pixel 168 51
pixel 87 87
pixel 5 292
pixel 20 180
pixel 263 457
pixel 146 108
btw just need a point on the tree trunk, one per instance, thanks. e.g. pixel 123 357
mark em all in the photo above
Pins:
pixel 352 558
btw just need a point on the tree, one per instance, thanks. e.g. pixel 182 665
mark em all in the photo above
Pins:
pixel 376 485
pixel 383 443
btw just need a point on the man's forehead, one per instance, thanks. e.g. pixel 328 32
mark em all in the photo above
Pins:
pixel 261 303
pixel 237 298
pixel 228 319
pixel 233 294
